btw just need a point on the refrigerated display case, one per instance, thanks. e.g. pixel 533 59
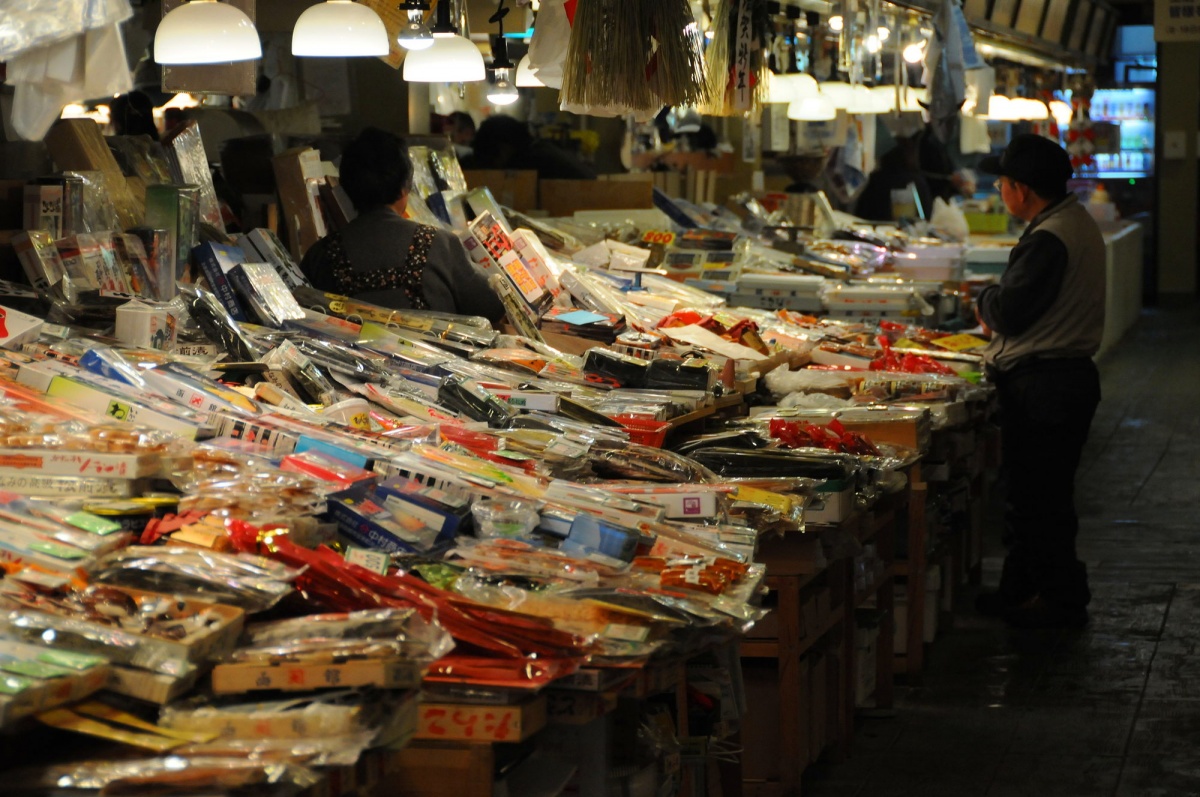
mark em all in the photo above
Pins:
pixel 1132 109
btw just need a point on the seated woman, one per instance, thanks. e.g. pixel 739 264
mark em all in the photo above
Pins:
pixel 385 259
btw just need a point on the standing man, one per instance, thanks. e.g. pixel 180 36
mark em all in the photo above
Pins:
pixel 1046 318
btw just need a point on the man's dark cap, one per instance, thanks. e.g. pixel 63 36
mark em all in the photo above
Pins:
pixel 1033 160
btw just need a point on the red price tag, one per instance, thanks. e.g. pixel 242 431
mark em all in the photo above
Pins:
pixel 659 237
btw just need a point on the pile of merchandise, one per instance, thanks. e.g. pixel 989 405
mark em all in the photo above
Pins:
pixel 279 514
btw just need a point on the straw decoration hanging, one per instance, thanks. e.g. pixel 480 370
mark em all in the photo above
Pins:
pixel 736 60
pixel 633 54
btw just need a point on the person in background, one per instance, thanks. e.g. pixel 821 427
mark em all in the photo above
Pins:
pixel 897 170
pixel 385 259
pixel 503 142
pixel 133 115
pixel 461 128
pixel 1046 319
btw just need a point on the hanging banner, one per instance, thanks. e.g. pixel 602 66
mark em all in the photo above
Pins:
pixel 1176 20
pixel 743 88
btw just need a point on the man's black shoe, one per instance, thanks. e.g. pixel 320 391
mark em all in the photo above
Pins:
pixel 1040 613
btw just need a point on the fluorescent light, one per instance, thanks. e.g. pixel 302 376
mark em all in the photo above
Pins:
pixel 339 28
pixel 206 32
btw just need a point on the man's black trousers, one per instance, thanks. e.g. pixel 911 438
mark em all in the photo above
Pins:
pixel 1046 409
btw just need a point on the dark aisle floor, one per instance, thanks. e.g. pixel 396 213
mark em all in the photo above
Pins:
pixel 1111 710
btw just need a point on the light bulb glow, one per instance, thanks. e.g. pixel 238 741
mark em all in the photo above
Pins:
pixel 812 109
pixel 884 33
pixel 836 22
pixel 913 53
pixel 415 34
pixel 503 92
pixel 873 44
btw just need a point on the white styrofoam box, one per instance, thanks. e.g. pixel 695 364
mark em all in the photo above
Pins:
pixel 836 507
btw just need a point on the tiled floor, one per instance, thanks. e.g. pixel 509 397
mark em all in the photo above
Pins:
pixel 1111 710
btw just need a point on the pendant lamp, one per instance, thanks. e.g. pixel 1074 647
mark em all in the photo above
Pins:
pixel 812 109
pixel 339 28
pixel 415 34
pixel 839 93
pixel 206 32
pixel 451 59
pixel 791 87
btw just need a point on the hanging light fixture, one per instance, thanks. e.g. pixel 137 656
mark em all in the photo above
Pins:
pixel 812 109
pixel 206 32
pixel 339 28
pixel 1061 112
pixel 865 101
pixel 791 87
pixel 415 34
pixel 451 59
pixel 502 91
pixel 526 79
pixel 836 23
pixel 839 93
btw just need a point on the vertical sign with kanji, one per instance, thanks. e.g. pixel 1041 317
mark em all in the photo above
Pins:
pixel 1176 20
pixel 743 78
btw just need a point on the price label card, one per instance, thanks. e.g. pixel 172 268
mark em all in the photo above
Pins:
pixel 375 561
pixel 659 237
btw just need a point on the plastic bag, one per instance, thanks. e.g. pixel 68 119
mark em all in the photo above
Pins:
pixel 949 220
pixel 509 519
pixel 548 47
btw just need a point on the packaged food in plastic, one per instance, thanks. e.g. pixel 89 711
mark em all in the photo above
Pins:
pixel 503 518
pixel 253 583
pixel 173 774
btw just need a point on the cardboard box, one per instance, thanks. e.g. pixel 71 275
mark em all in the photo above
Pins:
pixel 293 170
pixel 564 197
pixel 836 504
pixel 153 687
pixel 17 328
pixel 479 723
pixel 169 656
pixel 78 145
pixel 389 673
pixel 121 408
pixel 516 189
pixel 433 769
pixel 90 464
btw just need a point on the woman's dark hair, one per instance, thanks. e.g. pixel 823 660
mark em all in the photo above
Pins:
pixel 375 169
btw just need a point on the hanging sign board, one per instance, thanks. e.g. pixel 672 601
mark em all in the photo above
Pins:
pixel 743 79
pixel 1176 20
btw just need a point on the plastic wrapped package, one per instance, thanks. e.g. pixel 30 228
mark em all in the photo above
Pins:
pixel 99 212
pixel 306 373
pixel 185 148
pixel 162 633
pixel 259 495
pixel 633 461
pixel 43 23
pixel 214 320
pixel 504 518
pixel 344 361
pixel 250 582
pixel 380 632
pixel 169 775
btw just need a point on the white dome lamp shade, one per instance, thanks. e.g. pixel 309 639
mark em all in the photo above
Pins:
pixel 339 28
pixel 817 108
pixel 839 93
pixel 451 59
pixel 206 32
pixel 791 87
pixel 864 101
pixel 526 78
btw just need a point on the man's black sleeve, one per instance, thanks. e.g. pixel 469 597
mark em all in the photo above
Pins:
pixel 1029 285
